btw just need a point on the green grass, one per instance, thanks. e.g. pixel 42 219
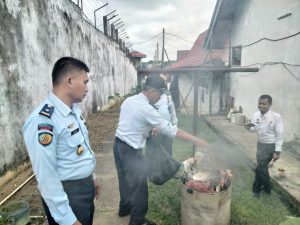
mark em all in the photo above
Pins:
pixel 164 201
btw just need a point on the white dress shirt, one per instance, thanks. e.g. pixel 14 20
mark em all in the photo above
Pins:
pixel 269 128
pixel 166 108
pixel 137 118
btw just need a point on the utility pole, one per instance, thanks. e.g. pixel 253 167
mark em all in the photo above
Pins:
pixel 157 55
pixel 163 50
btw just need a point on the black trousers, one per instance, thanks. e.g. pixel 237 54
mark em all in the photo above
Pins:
pixel 132 177
pixel 81 194
pixel 264 156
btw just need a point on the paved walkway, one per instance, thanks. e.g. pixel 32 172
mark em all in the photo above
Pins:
pixel 107 204
pixel 240 136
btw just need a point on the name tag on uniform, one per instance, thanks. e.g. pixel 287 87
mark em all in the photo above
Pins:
pixel 75 131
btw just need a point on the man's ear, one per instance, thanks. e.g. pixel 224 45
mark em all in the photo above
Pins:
pixel 152 90
pixel 69 80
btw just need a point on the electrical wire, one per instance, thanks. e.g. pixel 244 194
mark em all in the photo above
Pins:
pixel 267 63
pixel 194 43
pixel 290 72
pixel 174 45
pixel 274 63
pixel 138 43
pixel 247 45
pixel 179 37
pixel 268 39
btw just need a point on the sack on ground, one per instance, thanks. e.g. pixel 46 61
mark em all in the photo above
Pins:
pixel 203 208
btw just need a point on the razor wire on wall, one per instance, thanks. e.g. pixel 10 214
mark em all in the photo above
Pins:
pixel 107 20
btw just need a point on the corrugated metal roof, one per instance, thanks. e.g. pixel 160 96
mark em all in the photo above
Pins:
pixel 198 55
pixel 137 54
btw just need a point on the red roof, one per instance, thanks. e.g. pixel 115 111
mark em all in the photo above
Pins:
pixel 198 54
pixel 137 54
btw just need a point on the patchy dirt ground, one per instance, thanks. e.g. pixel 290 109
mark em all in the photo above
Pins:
pixel 101 126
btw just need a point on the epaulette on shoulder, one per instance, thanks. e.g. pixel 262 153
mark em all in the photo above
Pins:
pixel 47 110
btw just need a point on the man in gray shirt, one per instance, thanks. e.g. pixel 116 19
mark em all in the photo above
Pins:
pixel 138 117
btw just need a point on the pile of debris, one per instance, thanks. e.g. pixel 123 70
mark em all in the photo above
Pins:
pixel 194 178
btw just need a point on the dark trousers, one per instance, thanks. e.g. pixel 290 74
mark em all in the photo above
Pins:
pixel 167 143
pixel 264 156
pixel 132 177
pixel 81 194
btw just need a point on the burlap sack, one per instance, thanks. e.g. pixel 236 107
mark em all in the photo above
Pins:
pixel 200 208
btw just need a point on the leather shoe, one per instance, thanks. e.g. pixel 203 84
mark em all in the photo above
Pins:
pixel 123 214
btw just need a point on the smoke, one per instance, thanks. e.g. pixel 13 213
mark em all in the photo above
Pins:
pixel 222 154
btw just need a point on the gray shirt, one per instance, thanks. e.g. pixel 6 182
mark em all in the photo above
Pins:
pixel 137 118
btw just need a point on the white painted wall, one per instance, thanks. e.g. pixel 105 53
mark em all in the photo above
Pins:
pixel 185 82
pixel 33 35
pixel 256 20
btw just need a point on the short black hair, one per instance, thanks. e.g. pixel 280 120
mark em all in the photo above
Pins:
pixel 65 65
pixel 156 82
pixel 266 97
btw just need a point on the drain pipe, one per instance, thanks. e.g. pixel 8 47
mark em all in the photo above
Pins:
pixel 18 188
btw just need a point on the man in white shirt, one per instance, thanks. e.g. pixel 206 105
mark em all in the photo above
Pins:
pixel 165 107
pixel 138 117
pixel 269 128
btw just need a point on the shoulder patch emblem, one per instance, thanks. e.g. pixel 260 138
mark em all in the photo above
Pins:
pixel 45 126
pixel 47 110
pixel 45 138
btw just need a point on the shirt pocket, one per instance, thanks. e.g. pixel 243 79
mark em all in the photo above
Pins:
pixel 75 140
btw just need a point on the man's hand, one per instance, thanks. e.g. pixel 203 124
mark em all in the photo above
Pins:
pixel 97 189
pixel 183 135
pixel 275 157
pixel 200 143
pixel 77 223
pixel 154 131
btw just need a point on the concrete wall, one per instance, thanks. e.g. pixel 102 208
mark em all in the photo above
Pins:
pixel 258 19
pixel 33 35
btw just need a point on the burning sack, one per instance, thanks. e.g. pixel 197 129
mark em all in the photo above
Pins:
pixel 205 208
pixel 161 167
pixel 205 196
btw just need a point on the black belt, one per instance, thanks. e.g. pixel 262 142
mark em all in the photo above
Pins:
pixel 78 181
pixel 267 144
pixel 121 141
pixel 124 143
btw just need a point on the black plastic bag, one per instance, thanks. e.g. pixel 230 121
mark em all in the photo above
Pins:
pixel 161 167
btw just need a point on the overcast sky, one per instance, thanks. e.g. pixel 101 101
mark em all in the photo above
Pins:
pixel 146 18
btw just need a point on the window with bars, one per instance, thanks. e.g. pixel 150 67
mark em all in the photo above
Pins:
pixel 236 54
